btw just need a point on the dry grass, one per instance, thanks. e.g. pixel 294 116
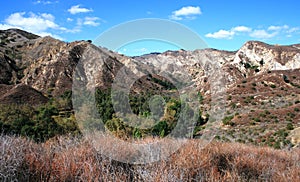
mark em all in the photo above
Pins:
pixel 72 159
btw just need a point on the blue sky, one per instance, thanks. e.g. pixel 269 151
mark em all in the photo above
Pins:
pixel 221 24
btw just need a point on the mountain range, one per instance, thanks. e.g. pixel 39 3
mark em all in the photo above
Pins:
pixel 259 84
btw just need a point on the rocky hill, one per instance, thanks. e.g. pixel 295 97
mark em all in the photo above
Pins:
pixel 260 82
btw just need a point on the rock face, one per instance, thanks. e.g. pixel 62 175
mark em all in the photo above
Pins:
pixel 266 57
pixel 51 64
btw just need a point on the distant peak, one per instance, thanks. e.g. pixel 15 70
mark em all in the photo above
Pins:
pixel 251 44
pixel 276 47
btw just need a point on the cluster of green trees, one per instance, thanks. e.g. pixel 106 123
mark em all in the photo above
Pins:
pixel 39 123
pixel 140 115
pixel 145 114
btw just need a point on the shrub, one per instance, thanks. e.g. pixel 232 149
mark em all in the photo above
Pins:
pixel 286 79
pixel 277 145
pixel 261 62
pixel 227 120
pixel 289 126
pixel 161 129
pixel 257 120
pixel 229 97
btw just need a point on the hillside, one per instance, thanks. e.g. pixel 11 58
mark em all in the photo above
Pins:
pixel 259 85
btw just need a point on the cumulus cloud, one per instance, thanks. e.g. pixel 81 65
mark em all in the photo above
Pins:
pixel 228 34
pixel 284 29
pixel 221 34
pixel 91 21
pixel 262 34
pixel 241 29
pixel 87 21
pixel 5 26
pixel 77 9
pixel 44 24
pixel 187 12
pixel 32 22
pixel 292 30
pixel 278 28
pixel 45 2
pixel 35 23
pixel 268 33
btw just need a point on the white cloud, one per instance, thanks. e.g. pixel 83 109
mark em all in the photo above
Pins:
pixel 92 21
pixel 292 30
pixel 74 30
pixel 221 34
pixel 268 33
pixel 241 29
pixel 277 28
pixel 188 12
pixel 46 16
pixel 283 29
pixel 87 21
pixel 262 34
pixel 229 34
pixel 45 2
pixel 5 26
pixel 38 24
pixel 34 23
pixel 43 24
pixel 77 9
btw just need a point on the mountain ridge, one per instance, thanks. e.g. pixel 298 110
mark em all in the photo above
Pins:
pixel 258 78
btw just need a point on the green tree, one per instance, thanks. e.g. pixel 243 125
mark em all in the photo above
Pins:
pixel 161 129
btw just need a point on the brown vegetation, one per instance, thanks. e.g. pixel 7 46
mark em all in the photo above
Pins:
pixel 73 159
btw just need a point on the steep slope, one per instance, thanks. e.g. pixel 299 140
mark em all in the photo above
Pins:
pixel 23 94
pixel 48 65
